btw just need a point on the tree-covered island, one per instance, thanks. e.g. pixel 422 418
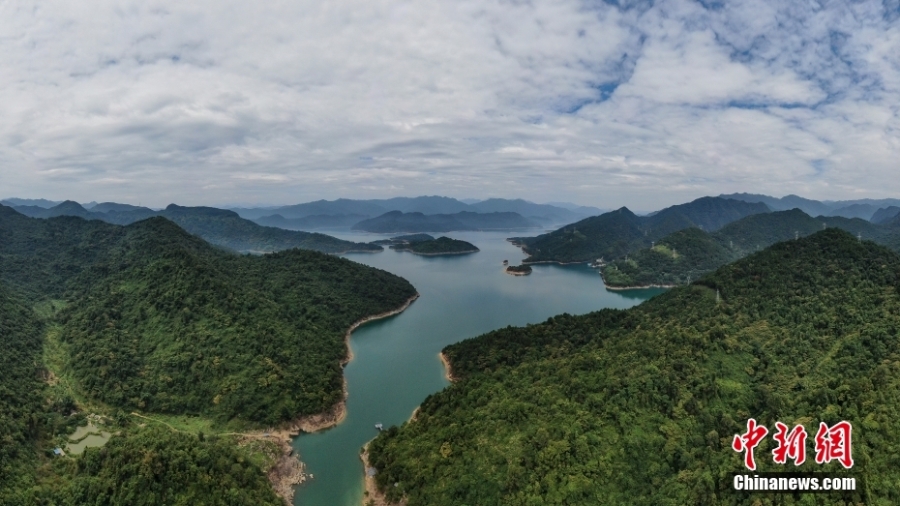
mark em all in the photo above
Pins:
pixel 441 246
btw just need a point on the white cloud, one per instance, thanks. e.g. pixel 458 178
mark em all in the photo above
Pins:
pixel 211 102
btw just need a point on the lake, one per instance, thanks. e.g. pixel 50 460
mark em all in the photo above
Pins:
pixel 396 364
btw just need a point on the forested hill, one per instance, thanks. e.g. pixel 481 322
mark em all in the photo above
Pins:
pixel 140 467
pixel 216 226
pixel 640 406
pixel 619 232
pixel 159 320
pixel 21 401
pixel 440 246
pixel 226 228
pixel 685 255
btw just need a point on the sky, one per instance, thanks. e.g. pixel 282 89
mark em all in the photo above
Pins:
pixel 607 103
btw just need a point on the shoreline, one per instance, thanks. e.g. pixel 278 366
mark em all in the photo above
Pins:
pixel 368 319
pixel 636 287
pixel 289 470
pixel 371 489
pixel 557 262
pixel 439 254
pixel 448 369
pixel 642 287
pixel 442 254
pixel 338 412
pixel 371 496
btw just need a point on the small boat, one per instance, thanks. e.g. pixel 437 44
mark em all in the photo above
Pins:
pixel 505 262
pixel 379 426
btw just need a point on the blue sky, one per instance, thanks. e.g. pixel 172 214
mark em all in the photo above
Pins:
pixel 605 103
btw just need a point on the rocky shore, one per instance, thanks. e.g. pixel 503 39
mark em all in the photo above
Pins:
pixel 372 497
pixel 448 370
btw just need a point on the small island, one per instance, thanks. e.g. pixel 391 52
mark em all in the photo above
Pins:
pixel 403 239
pixel 519 270
pixel 439 246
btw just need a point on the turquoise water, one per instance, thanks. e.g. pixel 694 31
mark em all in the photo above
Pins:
pixel 396 362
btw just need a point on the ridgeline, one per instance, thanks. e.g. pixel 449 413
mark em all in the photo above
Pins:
pixel 620 232
pixel 688 254
pixel 216 226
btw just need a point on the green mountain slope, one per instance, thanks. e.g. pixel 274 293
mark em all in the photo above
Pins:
pixel 161 321
pixel 21 402
pixel 227 229
pixel 606 236
pixel 640 406
pixel 675 259
pixel 157 466
pixel 885 214
pixel 616 233
pixel 683 256
pixel 707 213
pixel 216 226
pixel 139 466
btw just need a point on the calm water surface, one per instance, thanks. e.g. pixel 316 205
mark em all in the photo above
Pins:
pixel 396 363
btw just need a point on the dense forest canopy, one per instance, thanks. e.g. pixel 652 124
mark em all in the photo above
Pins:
pixel 440 246
pixel 148 317
pixel 687 254
pixel 619 232
pixel 640 406
pixel 21 402
pixel 159 320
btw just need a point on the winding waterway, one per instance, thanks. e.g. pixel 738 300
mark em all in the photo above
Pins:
pixel 396 364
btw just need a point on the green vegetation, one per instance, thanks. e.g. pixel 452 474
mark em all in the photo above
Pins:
pixel 675 259
pixel 687 254
pixel 519 269
pixel 640 406
pixel 147 317
pixel 440 246
pixel 158 466
pixel 159 320
pixel 413 238
pixel 227 229
pixel 216 226
pixel 21 399
pixel 617 233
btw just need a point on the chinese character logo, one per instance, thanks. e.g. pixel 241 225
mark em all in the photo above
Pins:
pixel 833 443
pixel 790 445
pixel 748 441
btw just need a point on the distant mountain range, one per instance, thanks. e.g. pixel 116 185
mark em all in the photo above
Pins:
pixel 341 213
pixel 398 221
pixel 863 208
pixel 886 214
pixel 217 226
